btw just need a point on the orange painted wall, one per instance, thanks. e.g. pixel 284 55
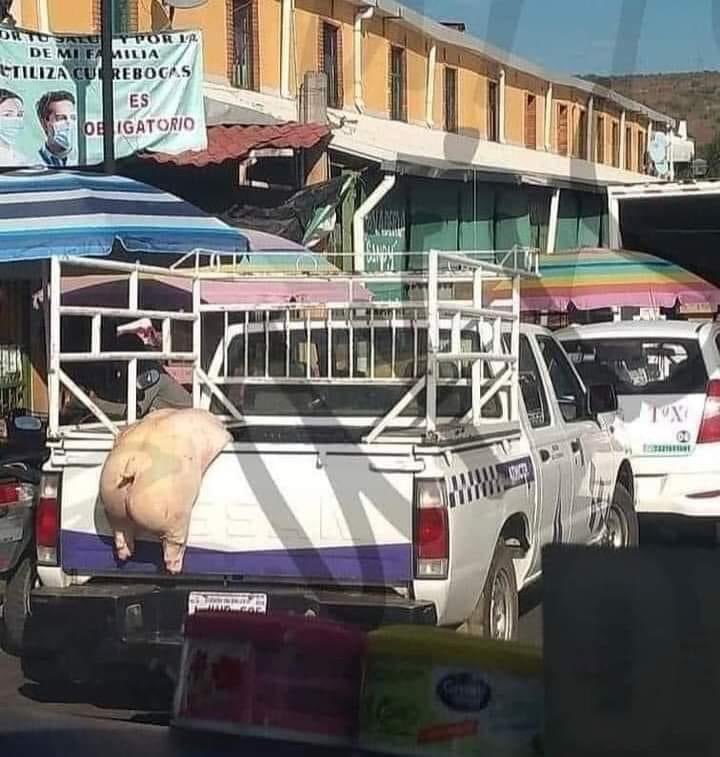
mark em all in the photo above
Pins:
pixel 514 115
pixel 29 14
pixel 76 16
pixel 211 19
pixel 376 50
pixel 472 103
pixel 306 43
pixel 416 63
pixel 269 21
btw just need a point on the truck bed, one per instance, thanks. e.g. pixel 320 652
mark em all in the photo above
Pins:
pixel 308 513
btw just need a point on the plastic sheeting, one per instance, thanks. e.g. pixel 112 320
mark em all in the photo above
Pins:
pixel 294 218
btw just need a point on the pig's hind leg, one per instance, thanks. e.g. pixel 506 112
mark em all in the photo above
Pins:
pixel 173 555
pixel 124 541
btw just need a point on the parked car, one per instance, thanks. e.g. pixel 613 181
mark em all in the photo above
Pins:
pixel 667 377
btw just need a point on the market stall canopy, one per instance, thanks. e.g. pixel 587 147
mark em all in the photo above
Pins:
pixel 49 213
pixel 591 279
pixel 275 271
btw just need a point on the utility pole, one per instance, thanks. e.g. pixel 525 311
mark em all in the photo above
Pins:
pixel 107 87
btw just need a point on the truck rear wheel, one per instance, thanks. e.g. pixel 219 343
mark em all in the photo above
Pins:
pixel 16 606
pixel 621 525
pixel 496 614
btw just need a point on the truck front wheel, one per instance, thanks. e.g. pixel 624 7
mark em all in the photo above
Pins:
pixel 496 614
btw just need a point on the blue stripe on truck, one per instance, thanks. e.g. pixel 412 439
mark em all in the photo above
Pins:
pixel 489 481
pixel 380 564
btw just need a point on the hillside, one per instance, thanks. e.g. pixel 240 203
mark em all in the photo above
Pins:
pixel 694 96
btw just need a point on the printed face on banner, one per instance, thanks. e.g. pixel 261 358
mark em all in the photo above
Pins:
pixel 51 97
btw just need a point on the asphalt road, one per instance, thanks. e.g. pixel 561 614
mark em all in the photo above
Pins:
pixel 121 716
pixel 119 700
pixel 113 716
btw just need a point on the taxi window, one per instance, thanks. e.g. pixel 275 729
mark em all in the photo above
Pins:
pixel 641 366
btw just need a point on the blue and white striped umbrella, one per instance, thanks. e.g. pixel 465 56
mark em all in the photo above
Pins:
pixel 48 213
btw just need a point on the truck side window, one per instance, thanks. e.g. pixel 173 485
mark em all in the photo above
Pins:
pixel 533 393
pixel 568 390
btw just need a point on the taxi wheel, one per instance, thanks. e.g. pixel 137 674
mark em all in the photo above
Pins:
pixel 621 523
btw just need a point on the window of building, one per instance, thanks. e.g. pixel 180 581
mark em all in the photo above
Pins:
pixel 243 74
pixel 531 122
pixel 331 63
pixel 124 16
pixel 642 149
pixel 629 149
pixel 600 139
pixel 562 129
pixel 615 144
pixel 493 121
pixel 451 101
pixel 398 84
pixel 121 17
pixel 581 134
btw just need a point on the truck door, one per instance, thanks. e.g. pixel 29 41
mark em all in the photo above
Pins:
pixel 590 446
pixel 553 471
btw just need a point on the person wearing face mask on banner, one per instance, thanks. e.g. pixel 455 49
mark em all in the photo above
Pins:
pixel 12 119
pixel 57 116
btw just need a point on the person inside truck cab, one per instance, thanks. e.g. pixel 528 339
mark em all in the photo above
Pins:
pixel 156 388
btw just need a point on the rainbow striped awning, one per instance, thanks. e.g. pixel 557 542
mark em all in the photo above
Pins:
pixel 591 279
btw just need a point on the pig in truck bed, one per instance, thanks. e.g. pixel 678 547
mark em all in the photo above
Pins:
pixel 394 462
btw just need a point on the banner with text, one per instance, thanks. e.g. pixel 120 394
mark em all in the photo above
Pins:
pixel 51 97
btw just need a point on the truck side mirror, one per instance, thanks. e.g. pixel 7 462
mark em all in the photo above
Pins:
pixel 603 399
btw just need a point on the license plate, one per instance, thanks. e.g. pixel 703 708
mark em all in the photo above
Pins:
pixel 204 600
pixel 11 535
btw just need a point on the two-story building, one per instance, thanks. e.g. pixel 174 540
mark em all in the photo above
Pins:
pixel 462 145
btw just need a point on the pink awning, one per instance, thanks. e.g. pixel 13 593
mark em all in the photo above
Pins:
pixel 174 293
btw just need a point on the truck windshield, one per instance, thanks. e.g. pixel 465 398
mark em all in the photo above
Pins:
pixel 641 366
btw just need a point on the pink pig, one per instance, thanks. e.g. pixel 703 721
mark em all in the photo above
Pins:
pixel 152 477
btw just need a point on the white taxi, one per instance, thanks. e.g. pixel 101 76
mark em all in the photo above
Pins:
pixel 667 377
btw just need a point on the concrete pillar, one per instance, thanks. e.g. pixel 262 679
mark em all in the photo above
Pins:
pixel 548 117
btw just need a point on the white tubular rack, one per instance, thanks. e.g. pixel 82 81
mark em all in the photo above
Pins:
pixel 425 344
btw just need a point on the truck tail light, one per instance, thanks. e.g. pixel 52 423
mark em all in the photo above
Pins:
pixel 710 425
pixel 432 529
pixel 47 520
pixel 15 495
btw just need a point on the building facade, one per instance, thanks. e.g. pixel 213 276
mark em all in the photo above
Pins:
pixel 523 155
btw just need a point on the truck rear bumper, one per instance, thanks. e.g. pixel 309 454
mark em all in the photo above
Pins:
pixel 106 623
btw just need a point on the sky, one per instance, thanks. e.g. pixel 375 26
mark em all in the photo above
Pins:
pixel 594 36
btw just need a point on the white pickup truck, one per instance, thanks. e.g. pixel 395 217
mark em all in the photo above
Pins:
pixel 391 463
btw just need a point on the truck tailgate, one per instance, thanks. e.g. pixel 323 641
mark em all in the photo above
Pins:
pixel 300 514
